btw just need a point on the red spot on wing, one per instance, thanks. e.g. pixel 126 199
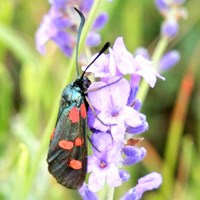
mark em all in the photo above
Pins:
pixel 65 144
pixel 78 141
pixel 75 164
pixel 52 134
pixel 74 115
pixel 83 111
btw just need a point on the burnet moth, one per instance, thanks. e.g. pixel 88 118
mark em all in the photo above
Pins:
pixel 67 154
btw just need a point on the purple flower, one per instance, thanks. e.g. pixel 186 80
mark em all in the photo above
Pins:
pixel 61 22
pixel 100 21
pixel 93 39
pixel 120 62
pixel 144 69
pixel 103 163
pixel 172 12
pixel 133 154
pixel 170 28
pixel 124 175
pixel 169 60
pixel 47 30
pixel 138 129
pixel 148 182
pixel 111 103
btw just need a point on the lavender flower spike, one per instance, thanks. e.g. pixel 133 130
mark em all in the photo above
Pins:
pixel 172 12
pixel 60 25
pixel 170 59
pixel 117 117
pixel 148 182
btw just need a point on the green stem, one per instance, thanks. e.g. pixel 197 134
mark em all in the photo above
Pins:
pixel 110 193
pixel 159 51
pixel 70 70
pixel 107 193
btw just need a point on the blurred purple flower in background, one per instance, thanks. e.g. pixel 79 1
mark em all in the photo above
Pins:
pixel 167 61
pixel 61 22
pixel 173 11
pixel 117 117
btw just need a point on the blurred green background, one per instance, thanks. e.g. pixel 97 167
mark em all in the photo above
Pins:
pixel 30 85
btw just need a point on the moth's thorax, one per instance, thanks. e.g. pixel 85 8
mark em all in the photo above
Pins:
pixel 74 92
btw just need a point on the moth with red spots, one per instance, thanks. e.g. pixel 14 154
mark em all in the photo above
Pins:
pixel 67 155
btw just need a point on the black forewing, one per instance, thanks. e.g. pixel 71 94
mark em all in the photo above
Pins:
pixel 58 158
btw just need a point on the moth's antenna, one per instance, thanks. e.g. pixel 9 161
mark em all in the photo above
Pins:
pixel 105 47
pixel 79 36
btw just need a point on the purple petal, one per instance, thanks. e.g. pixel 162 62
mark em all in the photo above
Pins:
pixel 100 68
pixel 93 162
pixel 59 4
pixel 132 96
pixel 46 30
pixel 91 119
pixel 124 175
pixel 100 21
pixel 162 5
pixel 97 179
pixel 93 39
pixel 135 80
pixel 114 152
pixel 101 140
pixel 123 58
pixel 139 129
pixel 64 41
pixel 148 182
pixel 144 69
pixel 137 105
pixel 112 65
pixel 114 95
pixel 62 23
pixel 106 118
pixel 134 154
pixel 118 131
pixel 119 92
pixel 112 176
pixel 170 28
pixel 98 99
pixel 87 194
pixel 169 60
pixel 86 5
pixel 130 116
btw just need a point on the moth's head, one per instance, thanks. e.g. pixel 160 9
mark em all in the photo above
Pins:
pixel 83 83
